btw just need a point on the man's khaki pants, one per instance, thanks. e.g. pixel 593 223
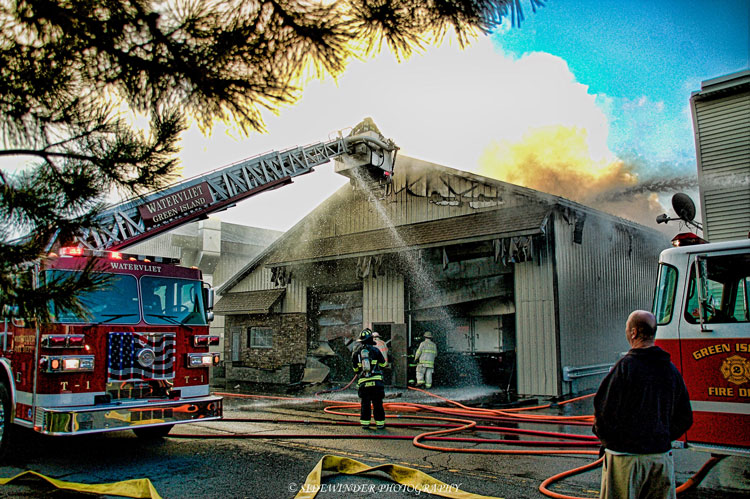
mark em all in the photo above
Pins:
pixel 638 476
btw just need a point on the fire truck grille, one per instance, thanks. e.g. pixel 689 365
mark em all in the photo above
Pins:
pixel 140 356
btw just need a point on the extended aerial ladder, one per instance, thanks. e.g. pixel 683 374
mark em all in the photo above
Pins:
pixel 365 153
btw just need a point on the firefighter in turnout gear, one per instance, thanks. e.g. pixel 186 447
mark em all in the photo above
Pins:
pixel 368 363
pixel 380 345
pixel 425 356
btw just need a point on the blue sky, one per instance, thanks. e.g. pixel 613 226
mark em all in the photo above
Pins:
pixel 585 99
pixel 628 50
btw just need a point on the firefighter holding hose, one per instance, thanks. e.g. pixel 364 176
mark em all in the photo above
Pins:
pixel 368 363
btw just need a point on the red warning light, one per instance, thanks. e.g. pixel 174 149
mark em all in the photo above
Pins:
pixel 71 251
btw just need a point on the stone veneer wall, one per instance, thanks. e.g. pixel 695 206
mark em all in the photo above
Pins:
pixel 283 363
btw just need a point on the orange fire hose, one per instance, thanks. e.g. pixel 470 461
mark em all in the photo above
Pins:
pixel 556 478
pixel 458 411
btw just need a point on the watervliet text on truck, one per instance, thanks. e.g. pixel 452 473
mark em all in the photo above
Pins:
pixel 139 358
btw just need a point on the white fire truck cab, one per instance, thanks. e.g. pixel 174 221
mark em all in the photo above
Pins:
pixel 139 359
pixel 702 310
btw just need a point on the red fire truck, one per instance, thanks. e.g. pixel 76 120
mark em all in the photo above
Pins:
pixel 702 309
pixel 139 359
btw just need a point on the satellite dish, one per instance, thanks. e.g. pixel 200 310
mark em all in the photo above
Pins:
pixel 683 206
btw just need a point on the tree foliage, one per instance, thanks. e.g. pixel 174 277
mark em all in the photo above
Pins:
pixel 72 72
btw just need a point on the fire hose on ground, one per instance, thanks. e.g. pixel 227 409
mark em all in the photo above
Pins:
pixel 451 421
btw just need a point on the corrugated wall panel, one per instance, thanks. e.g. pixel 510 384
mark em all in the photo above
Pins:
pixel 536 345
pixel 259 278
pixel 723 148
pixel 295 298
pixel 383 299
pixel 159 246
pixel 600 281
pixel 227 267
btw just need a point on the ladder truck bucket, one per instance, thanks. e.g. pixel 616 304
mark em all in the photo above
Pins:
pixel 370 157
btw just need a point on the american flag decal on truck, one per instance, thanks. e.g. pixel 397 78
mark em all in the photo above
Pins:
pixel 129 359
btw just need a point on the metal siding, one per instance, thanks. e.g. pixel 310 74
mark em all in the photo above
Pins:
pixel 339 314
pixel 536 350
pixel 295 299
pixel 161 245
pixel 383 299
pixel 227 267
pixel 600 281
pixel 259 278
pixel 723 148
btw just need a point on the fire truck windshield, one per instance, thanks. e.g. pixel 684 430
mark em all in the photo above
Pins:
pixel 165 301
pixel 172 301
pixel 666 284
pixel 115 303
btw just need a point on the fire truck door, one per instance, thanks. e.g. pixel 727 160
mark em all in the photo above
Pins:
pixel 714 338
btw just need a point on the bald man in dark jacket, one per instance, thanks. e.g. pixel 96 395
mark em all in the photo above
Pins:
pixel 640 408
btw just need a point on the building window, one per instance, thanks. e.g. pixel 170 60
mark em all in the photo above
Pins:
pixel 236 342
pixel 261 337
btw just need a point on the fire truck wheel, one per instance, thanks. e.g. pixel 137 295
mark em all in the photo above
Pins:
pixel 5 426
pixel 153 432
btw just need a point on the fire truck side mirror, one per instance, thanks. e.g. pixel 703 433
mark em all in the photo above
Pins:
pixel 705 306
pixel 208 301
pixel 208 297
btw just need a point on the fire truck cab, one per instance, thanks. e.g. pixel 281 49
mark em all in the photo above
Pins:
pixel 139 359
pixel 702 309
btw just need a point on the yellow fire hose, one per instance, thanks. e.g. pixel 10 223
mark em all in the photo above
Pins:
pixel 408 477
pixel 138 488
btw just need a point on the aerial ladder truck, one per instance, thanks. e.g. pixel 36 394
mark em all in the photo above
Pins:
pixel 139 359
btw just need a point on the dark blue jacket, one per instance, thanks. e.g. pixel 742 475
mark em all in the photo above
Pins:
pixel 642 405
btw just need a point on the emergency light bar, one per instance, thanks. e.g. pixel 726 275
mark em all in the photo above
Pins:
pixel 687 239
pixel 67 363
pixel 203 359
pixel 63 341
pixel 75 251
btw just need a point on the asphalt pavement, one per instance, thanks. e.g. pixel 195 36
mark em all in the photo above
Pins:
pixel 267 447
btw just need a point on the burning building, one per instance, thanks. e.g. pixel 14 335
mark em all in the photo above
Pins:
pixel 521 289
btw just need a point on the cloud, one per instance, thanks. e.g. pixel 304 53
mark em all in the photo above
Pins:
pixel 453 107
pixel 558 160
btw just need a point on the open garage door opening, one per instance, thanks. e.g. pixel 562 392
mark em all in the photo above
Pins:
pixel 472 349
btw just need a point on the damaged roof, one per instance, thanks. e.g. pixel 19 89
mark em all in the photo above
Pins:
pixel 503 222
pixel 423 179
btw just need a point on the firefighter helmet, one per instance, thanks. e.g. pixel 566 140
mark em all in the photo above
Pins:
pixel 375 334
pixel 365 335
pixel 428 334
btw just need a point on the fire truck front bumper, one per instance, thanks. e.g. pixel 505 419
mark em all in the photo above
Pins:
pixel 125 416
